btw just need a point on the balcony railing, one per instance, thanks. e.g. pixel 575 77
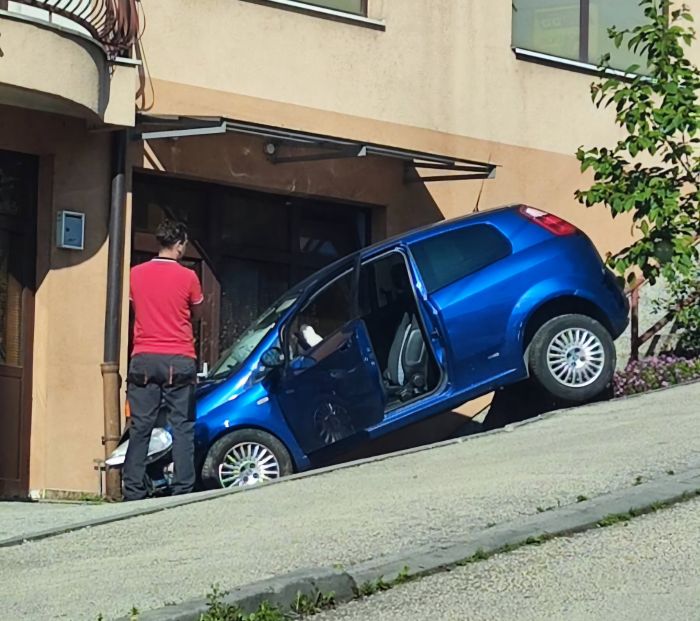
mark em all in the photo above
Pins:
pixel 114 23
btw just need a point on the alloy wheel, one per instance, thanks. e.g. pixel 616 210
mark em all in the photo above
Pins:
pixel 248 463
pixel 576 357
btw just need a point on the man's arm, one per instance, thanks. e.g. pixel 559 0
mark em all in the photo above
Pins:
pixel 196 299
pixel 197 311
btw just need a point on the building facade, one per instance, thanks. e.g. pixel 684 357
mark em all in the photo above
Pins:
pixel 286 134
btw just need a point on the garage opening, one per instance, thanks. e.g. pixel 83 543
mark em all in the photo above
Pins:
pixel 248 247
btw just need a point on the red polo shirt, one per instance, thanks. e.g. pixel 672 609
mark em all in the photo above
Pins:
pixel 162 294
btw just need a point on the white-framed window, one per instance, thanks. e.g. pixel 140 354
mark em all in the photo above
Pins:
pixel 356 7
pixel 576 29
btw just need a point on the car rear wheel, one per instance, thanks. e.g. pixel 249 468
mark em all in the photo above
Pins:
pixel 244 458
pixel 572 357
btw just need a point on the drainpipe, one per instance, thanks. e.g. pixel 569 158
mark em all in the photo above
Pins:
pixel 110 367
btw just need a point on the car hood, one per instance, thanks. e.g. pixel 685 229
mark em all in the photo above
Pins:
pixel 210 395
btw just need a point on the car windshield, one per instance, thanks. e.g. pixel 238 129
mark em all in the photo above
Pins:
pixel 235 355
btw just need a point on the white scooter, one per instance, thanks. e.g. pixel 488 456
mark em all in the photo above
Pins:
pixel 159 461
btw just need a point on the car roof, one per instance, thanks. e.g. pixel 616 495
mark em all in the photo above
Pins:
pixel 414 235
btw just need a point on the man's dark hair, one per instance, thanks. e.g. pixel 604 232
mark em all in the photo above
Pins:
pixel 170 232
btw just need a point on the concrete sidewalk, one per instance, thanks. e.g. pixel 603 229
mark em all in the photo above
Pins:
pixel 353 515
pixel 27 519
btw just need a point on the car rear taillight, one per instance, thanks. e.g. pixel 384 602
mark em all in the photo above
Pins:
pixel 554 224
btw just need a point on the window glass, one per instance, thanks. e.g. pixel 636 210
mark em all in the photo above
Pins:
pixel 548 26
pixel 10 305
pixel 327 311
pixel 17 175
pixel 447 257
pixel 555 27
pixel 17 200
pixel 247 288
pixel 258 221
pixel 603 14
pixel 329 232
pixel 384 282
pixel 156 199
pixel 349 6
pixel 251 338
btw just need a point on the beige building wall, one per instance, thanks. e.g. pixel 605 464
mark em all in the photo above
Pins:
pixel 444 65
pixel 441 77
pixel 67 422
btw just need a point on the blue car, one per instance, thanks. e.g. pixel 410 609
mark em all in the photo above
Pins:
pixel 403 330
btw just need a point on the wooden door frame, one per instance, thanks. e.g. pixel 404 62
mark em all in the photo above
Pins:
pixel 25 430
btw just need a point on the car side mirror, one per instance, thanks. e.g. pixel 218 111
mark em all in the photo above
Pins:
pixel 273 358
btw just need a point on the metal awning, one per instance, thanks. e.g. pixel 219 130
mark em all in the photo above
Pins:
pixel 317 146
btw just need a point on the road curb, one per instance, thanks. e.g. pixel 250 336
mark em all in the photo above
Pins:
pixel 156 506
pixel 345 584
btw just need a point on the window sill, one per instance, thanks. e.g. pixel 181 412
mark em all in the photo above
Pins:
pixel 568 64
pixel 318 11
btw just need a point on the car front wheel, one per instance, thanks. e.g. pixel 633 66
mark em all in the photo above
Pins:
pixel 572 357
pixel 244 458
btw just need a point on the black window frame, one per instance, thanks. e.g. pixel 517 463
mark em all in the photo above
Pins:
pixel 430 287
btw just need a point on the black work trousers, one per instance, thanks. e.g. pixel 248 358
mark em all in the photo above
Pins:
pixel 156 381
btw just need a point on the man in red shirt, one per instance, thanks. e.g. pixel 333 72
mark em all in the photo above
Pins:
pixel 166 298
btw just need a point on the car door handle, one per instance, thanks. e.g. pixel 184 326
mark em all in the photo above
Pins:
pixel 345 346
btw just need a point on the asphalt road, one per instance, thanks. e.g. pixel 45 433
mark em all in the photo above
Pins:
pixel 648 568
pixel 353 514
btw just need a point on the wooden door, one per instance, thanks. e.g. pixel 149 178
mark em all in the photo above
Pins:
pixel 18 189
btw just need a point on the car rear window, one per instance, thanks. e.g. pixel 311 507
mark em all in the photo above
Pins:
pixel 447 257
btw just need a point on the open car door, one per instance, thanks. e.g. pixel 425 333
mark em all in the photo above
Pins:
pixel 333 391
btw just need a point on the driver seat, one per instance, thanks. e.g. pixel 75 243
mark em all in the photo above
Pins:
pixel 407 365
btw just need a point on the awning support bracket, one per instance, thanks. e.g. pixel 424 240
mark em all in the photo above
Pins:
pixel 470 172
pixel 203 130
pixel 272 151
